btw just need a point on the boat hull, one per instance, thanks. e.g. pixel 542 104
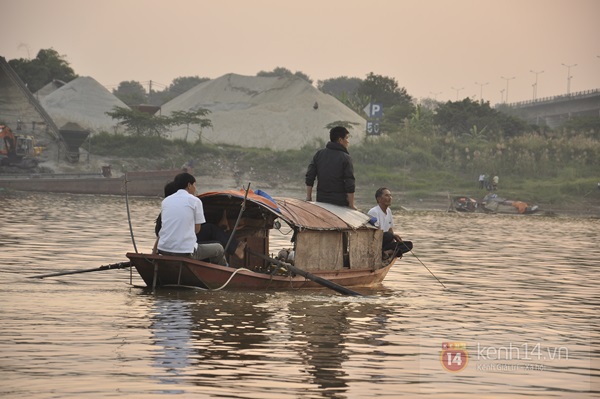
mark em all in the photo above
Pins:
pixel 161 271
pixel 146 183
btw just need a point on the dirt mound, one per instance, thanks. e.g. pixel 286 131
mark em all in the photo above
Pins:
pixel 263 112
pixel 83 101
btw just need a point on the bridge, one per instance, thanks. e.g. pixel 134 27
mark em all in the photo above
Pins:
pixel 553 111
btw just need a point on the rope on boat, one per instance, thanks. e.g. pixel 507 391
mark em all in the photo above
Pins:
pixel 210 289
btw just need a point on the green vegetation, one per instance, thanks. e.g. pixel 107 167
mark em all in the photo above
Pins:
pixel 284 73
pixel 133 93
pixel 140 123
pixel 419 159
pixel 43 69
pixel 427 148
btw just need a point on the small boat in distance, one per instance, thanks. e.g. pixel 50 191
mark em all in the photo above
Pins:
pixel 328 242
pixel 492 203
pixel 463 203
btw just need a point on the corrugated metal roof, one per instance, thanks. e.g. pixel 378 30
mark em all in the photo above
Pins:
pixel 306 215
pixel 320 216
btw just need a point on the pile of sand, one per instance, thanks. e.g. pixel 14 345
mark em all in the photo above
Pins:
pixel 83 101
pixel 49 88
pixel 263 112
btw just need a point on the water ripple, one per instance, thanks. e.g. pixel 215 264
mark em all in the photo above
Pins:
pixel 519 286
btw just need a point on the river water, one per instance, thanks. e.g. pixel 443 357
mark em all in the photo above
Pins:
pixel 519 317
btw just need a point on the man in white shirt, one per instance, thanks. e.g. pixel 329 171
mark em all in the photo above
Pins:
pixel 392 242
pixel 182 215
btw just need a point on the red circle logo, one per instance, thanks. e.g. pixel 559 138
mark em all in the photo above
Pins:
pixel 454 356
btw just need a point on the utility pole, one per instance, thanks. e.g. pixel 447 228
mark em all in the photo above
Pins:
pixel 535 85
pixel 149 91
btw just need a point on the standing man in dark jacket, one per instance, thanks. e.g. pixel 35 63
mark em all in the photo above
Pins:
pixel 333 169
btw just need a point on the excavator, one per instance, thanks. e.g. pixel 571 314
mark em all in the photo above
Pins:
pixel 16 150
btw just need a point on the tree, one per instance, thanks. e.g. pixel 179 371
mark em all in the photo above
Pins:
pixel 587 125
pixel 468 116
pixel 131 93
pixel 184 83
pixel 347 124
pixel 284 73
pixel 178 86
pixel 46 67
pixel 140 123
pixel 353 101
pixel 188 118
pixel 398 105
pixel 421 120
pixel 383 89
pixel 339 86
pixel 304 76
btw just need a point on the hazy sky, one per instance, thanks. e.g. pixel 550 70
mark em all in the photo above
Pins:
pixel 433 48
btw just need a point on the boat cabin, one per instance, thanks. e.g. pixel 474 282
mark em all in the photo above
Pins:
pixel 325 237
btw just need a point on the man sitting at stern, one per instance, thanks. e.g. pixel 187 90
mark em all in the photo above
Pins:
pixel 392 242
pixel 182 215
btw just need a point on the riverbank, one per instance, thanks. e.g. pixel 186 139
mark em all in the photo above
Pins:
pixel 586 208
pixel 216 172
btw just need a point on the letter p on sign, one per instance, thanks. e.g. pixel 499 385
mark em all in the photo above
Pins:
pixel 376 111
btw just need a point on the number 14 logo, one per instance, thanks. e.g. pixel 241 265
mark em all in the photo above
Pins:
pixel 454 356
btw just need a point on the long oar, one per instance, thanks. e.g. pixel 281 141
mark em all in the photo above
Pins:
pixel 319 280
pixel 120 265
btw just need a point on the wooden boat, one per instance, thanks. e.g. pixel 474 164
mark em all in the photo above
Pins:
pixel 463 203
pixel 492 203
pixel 142 183
pixel 329 242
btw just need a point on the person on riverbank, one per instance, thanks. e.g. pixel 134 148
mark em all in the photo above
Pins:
pixel 333 169
pixel 182 215
pixel 495 181
pixel 392 242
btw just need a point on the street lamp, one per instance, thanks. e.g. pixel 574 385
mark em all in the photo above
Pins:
pixel 481 90
pixel 535 85
pixel 507 79
pixel 569 76
pixel 502 96
pixel 435 94
pixel 457 90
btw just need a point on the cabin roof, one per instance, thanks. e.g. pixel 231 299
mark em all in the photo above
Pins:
pixel 299 213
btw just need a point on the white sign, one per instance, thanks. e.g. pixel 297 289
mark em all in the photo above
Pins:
pixel 373 128
pixel 374 110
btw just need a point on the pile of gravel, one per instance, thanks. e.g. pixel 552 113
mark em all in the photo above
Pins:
pixel 83 101
pixel 263 112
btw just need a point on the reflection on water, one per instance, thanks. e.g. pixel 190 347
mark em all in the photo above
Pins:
pixel 171 326
pixel 519 286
